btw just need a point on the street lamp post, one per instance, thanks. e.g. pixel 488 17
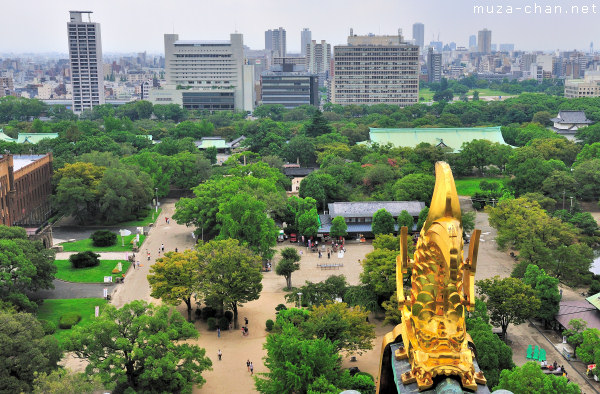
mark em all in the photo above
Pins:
pixel 300 299
pixel 156 191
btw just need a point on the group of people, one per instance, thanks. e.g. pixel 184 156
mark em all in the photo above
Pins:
pixel 245 327
pixel 250 366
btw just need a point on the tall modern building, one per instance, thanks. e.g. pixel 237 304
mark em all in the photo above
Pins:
pixel 472 41
pixel 275 41
pixel 206 75
pixel 318 60
pixel 419 34
pixel 375 69
pixel 434 66
pixel 85 54
pixel 305 39
pixel 484 41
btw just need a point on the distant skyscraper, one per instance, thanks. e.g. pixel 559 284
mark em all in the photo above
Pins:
pixel 269 40
pixel 484 41
pixel 434 66
pixel 437 46
pixel 472 41
pixel 395 79
pixel 305 39
pixel 419 34
pixel 275 40
pixel 85 54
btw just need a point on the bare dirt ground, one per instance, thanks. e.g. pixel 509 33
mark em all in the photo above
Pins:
pixel 231 375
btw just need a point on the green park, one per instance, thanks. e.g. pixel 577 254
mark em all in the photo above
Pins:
pixel 214 260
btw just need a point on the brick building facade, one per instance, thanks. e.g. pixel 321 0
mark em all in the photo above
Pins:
pixel 25 189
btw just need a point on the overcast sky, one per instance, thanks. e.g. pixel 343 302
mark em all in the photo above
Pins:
pixel 138 25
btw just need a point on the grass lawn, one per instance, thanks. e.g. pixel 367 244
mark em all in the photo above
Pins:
pixel 151 218
pixel 52 310
pixel 86 244
pixel 90 274
pixel 469 186
pixel 426 94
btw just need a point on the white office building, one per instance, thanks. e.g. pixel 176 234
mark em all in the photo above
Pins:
pixel 206 75
pixel 375 70
pixel 85 54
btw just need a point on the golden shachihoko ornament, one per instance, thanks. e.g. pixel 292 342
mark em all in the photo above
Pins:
pixel 433 334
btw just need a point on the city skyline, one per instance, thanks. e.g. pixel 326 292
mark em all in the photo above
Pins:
pixel 39 27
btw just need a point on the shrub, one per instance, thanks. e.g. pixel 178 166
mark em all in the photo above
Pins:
pixel 84 259
pixel 280 307
pixel 68 320
pixel 104 238
pixel 212 323
pixel 223 323
pixel 48 327
pixel 208 312
pixel 363 383
pixel 228 315
pixel 269 324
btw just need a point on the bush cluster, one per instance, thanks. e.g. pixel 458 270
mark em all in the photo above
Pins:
pixel 85 259
pixel 213 319
pixel 104 238
pixel 68 320
pixel 48 327
pixel 270 324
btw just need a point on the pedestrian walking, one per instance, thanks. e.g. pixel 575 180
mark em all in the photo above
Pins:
pixel 218 332
pixel 166 219
pixel 162 247
pixel 251 369
pixel 219 353
pixel 134 265
pixel 248 364
pixel 320 254
pixel 328 254
pixel 175 250
pixel 147 251
pixel 246 320
pixel 137 263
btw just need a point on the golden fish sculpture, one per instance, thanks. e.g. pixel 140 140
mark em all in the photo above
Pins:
pixel 432 335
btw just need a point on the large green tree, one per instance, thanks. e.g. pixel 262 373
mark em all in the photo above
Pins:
pixel 24 351
pixel 322 187
pixel 317 126
pixel 405 219
pixel 493 355
pixel 383 222
pixel 509 301
pixel 530 379
pixel 244 218
pixel 175 278
pixel 589 349
pixel 288 264
pixel 346 327
pixel 414 187
pixel 379 272
pixel 546 289
pixel 25 267
pixel 339 228
pixel 140 346
pixel 230 275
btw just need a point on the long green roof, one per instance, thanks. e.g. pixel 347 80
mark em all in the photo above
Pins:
pixel 450 137
pixel 594 300
pixel 32 138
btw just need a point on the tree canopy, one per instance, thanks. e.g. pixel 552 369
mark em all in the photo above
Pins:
pixel 139 346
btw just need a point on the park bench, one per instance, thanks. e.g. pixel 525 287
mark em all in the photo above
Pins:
pixel 330 266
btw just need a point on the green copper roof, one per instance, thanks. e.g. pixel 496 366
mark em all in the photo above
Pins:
pixel 210 142
pixel 34 138
pixel 594 300
pixel 447 137
pixel 31 138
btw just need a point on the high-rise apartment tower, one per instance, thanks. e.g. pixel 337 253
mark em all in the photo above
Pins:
pixel 85 55
pixel 275 40
pixel 305 39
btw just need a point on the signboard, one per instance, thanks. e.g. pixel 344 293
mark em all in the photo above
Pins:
pixel 97 311
pixel 108 279
pixel 105 293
